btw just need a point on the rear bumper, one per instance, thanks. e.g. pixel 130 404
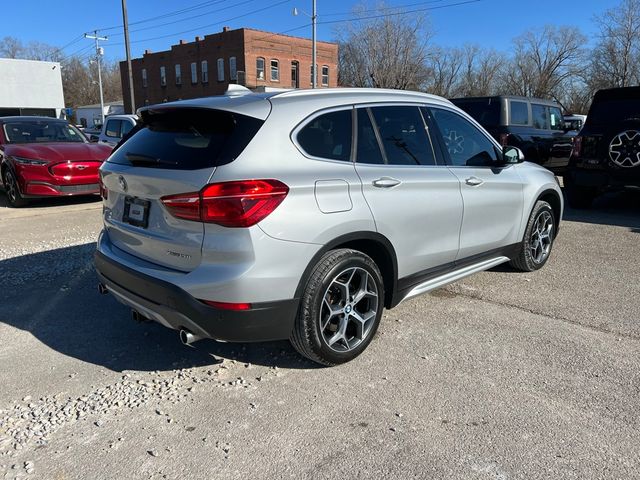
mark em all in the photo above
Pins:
pixel 175 308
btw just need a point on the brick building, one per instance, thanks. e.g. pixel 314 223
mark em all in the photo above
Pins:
pixel 205 67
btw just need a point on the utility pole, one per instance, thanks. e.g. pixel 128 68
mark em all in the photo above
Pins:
pixel 99 53
pixel 314 60
pixel 125 21
pixel 314 65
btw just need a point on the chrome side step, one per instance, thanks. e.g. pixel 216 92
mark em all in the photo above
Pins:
pixel 454 276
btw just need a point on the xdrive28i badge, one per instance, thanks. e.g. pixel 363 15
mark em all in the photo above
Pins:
pixel 123 183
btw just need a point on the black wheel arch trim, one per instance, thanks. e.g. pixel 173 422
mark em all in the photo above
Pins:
pixel 558 199
pixel 350 238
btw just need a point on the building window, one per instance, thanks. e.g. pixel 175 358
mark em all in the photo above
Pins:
pixel 194 72
pixel 163 77
pixel 311 75
pixel 325 75
pixel 205 71
pixel 295 67
pixel 233 71
pixel 178 75
pixel 260 68
pixel 275 71
pixel 144 77
pixel 221 69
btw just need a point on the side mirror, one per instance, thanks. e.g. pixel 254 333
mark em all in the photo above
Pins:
pixel 512 155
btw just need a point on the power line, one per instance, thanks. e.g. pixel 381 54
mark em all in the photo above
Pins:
pixel 72 42
pixel 405 12
pixel 209 25
pixel 168 14
pixel 381 9
pixel 186 18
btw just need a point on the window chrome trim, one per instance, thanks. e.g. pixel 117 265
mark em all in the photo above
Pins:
pixel 293 136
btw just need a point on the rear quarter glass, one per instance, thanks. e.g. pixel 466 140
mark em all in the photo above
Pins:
pixel 187 139
pixel 485 111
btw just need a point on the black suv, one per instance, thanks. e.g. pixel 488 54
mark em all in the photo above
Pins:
pixel 533 125
pixel 606 154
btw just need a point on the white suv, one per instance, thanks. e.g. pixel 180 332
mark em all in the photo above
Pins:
pixel 301 215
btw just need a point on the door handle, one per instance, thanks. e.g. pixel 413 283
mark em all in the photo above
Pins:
pixel 386 182
pixel 474 181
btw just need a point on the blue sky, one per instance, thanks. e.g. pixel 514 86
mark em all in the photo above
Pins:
pixel 489 23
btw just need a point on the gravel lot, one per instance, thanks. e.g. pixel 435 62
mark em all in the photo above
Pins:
pixel 503 375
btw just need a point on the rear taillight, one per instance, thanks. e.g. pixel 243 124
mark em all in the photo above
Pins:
pixel 577 146
pixel 240 203
pixel 104 193
pixel 504 139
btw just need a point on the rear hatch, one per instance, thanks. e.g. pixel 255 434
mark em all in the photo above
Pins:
pixel 612 113
pixel 174 150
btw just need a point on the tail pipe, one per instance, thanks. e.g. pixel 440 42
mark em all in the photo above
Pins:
pixel 187 338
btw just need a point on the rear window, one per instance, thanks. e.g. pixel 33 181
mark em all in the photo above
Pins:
pixel 187 139
pixel 613 111
pixel 484 111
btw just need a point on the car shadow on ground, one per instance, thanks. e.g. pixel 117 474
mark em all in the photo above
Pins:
pixel 54 296
pixel 52 201
pixel 616 208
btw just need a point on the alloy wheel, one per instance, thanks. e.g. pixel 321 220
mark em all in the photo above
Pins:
pixel 10 186
pixel 541 237
pixel 349 309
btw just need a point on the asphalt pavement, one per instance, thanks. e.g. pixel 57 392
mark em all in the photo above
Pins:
pixel 502 375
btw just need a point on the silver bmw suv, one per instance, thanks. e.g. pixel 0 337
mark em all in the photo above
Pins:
pixel 301 215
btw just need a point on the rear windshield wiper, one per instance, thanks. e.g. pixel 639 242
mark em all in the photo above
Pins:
pixel 141 159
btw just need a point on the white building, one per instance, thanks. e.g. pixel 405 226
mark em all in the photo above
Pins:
pixel 29 87
pixel 89 115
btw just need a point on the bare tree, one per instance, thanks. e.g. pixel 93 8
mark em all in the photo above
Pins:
pixel 480 73
pixel 543 61
pixel 11 47
pixel 387 52
pixel 444 66
pixel 615 59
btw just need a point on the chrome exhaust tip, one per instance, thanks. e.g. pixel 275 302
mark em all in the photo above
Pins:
pixel 102 288
pixel 187 338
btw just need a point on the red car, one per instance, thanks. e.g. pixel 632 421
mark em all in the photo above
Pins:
pixel 46 157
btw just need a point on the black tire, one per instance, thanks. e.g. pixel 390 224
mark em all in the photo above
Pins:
pixel 526 260
pixel 308 336
pixel 12 190
pixel 580 197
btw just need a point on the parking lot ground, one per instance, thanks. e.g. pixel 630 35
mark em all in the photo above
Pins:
pixel 502 375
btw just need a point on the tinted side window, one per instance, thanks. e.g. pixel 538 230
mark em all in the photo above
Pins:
pixel 328 136
pixel 467 146
pixel 113 128
pixel 368 147
pixel 485 111
pixel 404 136
pixel 555 118
pixel 519 112
pixel 126 127
pixel 539 113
